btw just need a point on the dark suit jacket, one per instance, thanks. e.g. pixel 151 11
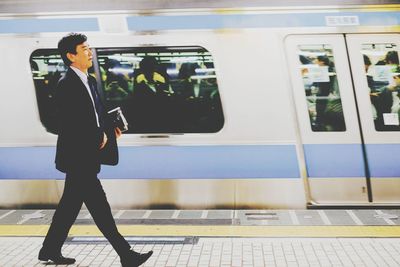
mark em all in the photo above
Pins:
pixel 79 137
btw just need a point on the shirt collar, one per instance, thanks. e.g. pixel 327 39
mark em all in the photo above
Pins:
pixel 81 74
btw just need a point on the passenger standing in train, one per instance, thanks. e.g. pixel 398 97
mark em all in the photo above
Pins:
pixel 385 104
pixel 371 86
pixel 383 96
pixel 82 135
pixel 304 73
pixel 370 79
pixel 324 89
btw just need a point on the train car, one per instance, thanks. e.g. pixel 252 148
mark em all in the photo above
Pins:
pixel 259 104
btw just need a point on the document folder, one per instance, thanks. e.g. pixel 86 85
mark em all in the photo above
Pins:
pixel 117 119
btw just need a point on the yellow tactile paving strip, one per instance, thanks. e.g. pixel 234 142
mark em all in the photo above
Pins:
pixel 214 231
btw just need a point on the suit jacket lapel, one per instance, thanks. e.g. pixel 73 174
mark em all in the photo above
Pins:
pixel 80 87
pixel 81 90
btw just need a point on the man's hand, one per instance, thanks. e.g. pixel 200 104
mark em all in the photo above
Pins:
pixel 118 132
pixel 103 144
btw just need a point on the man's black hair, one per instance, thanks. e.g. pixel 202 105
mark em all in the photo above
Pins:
pixel 68 45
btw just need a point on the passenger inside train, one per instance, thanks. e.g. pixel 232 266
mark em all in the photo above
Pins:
pixel 116 83
pixel 321 88
pixel 148 107
pixel 181 82
pixel 383 82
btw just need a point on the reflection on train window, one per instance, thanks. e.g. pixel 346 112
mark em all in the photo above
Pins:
pixel 382 71
pixel 321 88
pixel 162 89
pixel 47 68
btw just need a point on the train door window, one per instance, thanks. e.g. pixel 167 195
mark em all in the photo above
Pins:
pixel 320 83
pixel 47 68
pixel 162 89
pixel 382 72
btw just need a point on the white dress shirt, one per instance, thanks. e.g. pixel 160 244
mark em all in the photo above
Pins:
pixel 84 77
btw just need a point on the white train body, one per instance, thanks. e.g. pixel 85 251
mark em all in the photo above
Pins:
pixel 266 155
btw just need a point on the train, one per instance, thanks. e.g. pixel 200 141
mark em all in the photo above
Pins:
pixel 255 105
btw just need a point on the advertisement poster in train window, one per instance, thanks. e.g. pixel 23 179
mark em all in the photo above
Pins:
pixel 160 89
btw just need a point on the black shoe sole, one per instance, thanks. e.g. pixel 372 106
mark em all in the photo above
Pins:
pixel 56 262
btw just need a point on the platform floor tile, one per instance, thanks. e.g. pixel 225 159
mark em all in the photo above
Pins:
pixel 22 251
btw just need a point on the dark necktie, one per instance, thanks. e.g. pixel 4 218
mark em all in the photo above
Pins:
pixel 96 98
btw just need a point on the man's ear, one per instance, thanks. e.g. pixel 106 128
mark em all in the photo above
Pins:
pixel 71 57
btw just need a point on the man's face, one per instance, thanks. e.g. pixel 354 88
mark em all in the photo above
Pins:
pixel 83 57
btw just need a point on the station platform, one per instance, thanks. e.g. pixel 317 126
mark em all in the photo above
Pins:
pixel 216 237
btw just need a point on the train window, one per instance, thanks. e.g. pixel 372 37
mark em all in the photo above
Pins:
pixel 162 89
pixel 321 88
pixel 382 72
pixel 47 68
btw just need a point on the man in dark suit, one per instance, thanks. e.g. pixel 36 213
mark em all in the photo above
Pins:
pixel 83 138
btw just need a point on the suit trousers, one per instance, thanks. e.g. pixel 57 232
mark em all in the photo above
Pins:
pixel 82 187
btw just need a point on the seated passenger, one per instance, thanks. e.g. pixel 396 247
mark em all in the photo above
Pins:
pixel 114 91
pixel 186 71
pixel 149 102
pixel 192 86
pixel 116 85
pixel 149 79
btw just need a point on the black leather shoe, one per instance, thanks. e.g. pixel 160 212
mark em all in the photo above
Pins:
pixel 135 259
pixel 55 258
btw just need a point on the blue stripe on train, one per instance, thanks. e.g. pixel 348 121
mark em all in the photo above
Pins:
pixel 220 21
pixel 153 23
pixel 48 25
pixel 347 160
pixel 334 160
pixel 162 162
pixel 384 160
pixel 215 162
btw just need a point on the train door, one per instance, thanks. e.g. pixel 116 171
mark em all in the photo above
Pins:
pixel 374 62
pixel 346 92
pixel 334 158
